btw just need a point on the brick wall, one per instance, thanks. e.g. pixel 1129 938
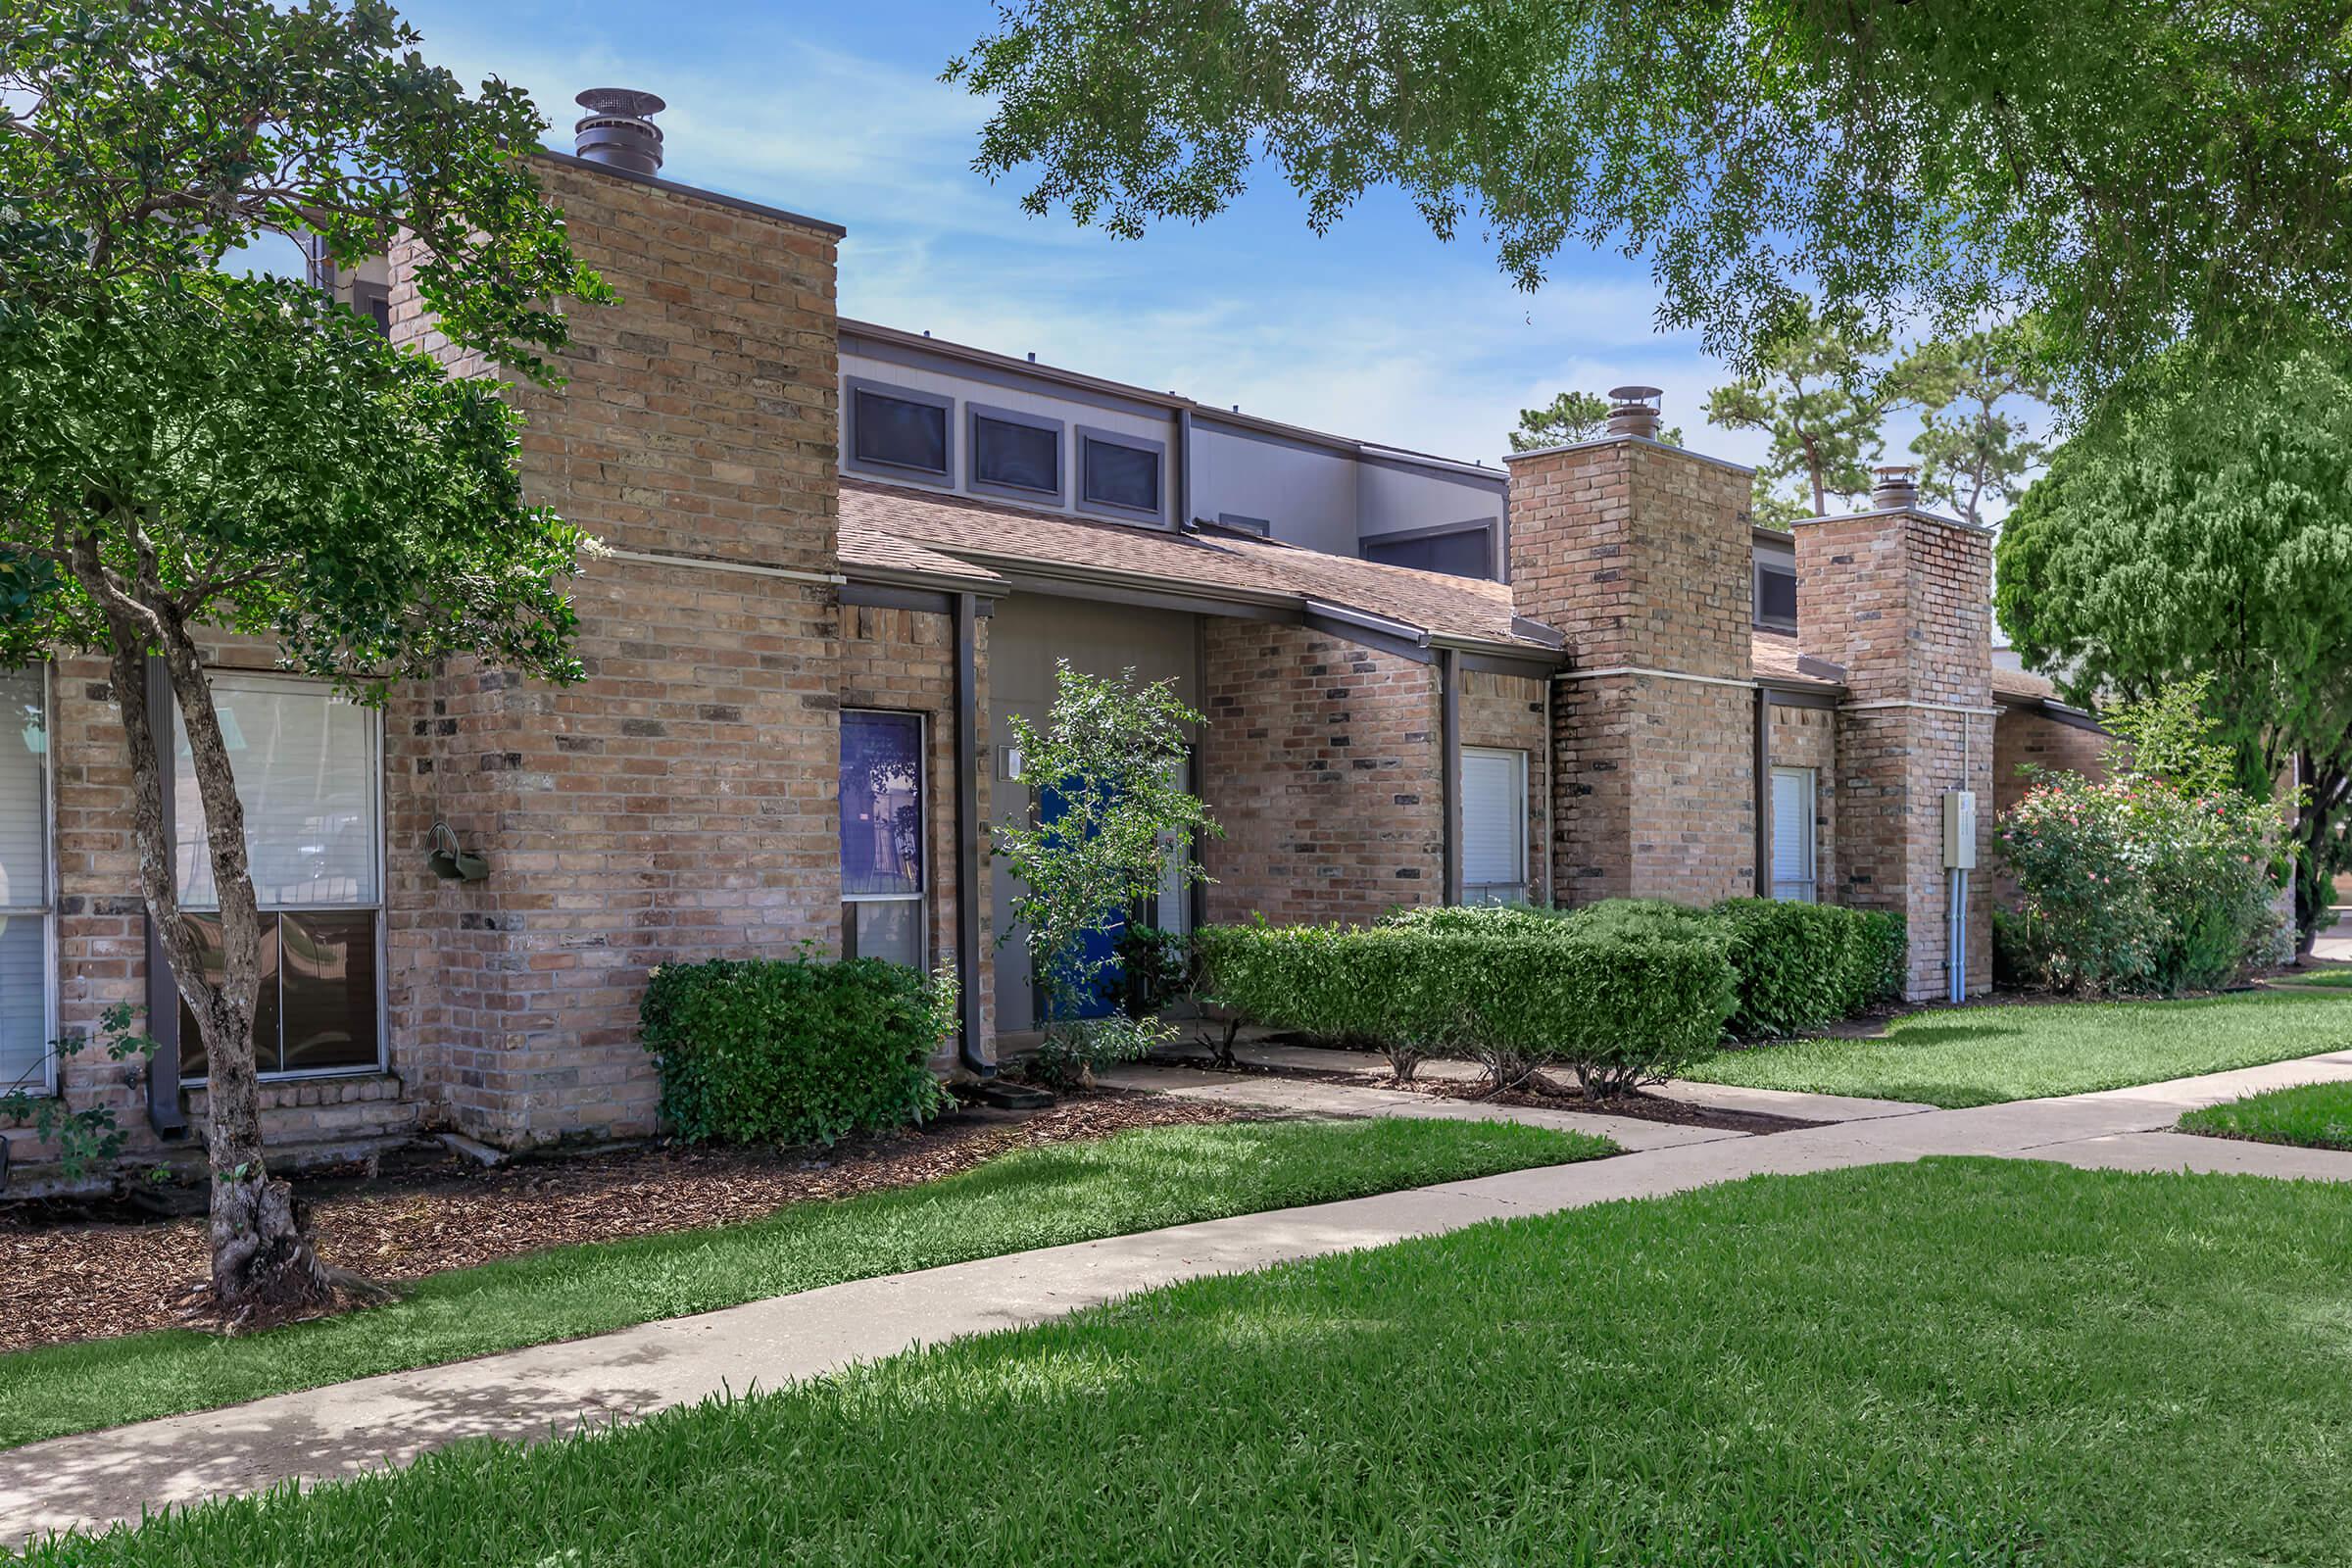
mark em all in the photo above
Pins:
pixel 1902 600
pixel 1324 767
pixel 679 802
pixel 905 660
pixel 1640 554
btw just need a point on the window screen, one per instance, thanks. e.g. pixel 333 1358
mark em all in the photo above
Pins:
pixel 1776 595
pixel 1122 476
pixel 1019 457
pixel 23 881
pixel 882 842
pixel 899 431
pixel 1792 807
pixel 1493 826
pixel 1465 553
pixel 311 784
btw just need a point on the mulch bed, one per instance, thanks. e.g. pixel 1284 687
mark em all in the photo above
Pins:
pixel 1635 1107
pixel 72 1273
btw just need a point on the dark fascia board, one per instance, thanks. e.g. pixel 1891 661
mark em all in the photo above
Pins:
pixel 873 339
pixel 1452 469
pixel 974 413
pixel 1782 693
pixel 696 192
pixel 2055 712
pixel 884 589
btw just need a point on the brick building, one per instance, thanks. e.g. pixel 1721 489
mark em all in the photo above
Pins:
pixel 840 556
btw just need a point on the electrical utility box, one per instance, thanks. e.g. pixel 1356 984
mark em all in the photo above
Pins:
pixel 1960 830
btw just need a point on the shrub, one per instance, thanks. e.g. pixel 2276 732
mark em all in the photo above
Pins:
pixel 799 1050
pixel 1803 965
pixel 2132 886
pixel 1642 917
pixel 1480 919
pixel 1617 1009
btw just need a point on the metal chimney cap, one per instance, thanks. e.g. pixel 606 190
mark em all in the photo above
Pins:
pixel 1896 485
pixel 626 101
pixel 616 131
pixel 1635 410
pixel 1635 394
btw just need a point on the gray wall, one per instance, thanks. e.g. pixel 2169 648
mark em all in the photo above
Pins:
pixel 1307 493
pixel 1029 633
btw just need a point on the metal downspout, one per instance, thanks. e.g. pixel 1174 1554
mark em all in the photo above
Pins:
pixel 970 1049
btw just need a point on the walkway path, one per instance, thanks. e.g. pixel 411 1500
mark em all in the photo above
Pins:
pixel 527 1394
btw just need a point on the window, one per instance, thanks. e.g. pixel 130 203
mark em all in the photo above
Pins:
pixel 1776 595
pixel 899 430
pixel 882 836
pixel 1456 552
pixel 309 777
pixel 1016 453
pixel 1792 809
pixel 26 991
pixel 1121 472
pixel 1493 826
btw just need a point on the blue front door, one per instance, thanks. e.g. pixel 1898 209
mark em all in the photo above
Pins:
pixel 1100 946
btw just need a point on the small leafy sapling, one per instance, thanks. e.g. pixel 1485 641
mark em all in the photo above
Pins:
pixel 1109 825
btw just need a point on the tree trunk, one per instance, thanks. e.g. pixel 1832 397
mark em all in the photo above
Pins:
pixel 1820 495
pixel 263 1265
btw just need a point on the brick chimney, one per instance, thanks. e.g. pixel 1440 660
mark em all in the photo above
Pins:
pixel 1640 554
pixel 1903 599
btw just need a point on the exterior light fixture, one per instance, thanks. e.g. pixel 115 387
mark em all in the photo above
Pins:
pixel 451 863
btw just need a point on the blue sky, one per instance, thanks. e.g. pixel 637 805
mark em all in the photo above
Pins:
pixel 1376 330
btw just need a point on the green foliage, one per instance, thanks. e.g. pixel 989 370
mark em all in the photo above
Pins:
pixel 2197 526
pixel 1073 1047
pixel 795 1052
pixel 1480 919
pixel 1661 917
pixel 1803 965
pixel 1568 419
pixel 2148 883
pixel 2173 738
pixel 2131 172
pixel 1154 968
pixel 1973 447
pixel 85 1140
pixel 1817 394
pixel 1619 1008
pixel 1109 820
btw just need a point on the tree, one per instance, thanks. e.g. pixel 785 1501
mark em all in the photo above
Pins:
pixel 1822 402
pixel 1973 446
pixel 189 451
pixel 1110 820
pixel 2198 526
pixel 1570 418
pixel 2130 171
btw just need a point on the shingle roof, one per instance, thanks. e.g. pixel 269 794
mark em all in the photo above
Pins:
pixel 1012 536
pixel 2018 684
pixel 874 549
pixel 1776 658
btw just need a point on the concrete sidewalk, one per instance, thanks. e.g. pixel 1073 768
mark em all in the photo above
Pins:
pixel 525 1394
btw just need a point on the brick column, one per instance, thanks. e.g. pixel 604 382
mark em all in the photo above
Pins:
pixel 1903 599
pixel 1641 553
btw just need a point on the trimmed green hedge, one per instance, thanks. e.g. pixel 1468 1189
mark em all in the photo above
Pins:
pixel 1803 965
pixel 1615 1008
pixel 794 1052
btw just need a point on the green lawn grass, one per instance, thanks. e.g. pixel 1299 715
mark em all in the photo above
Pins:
pixel 1040 1197
pixel 1958 1362
pixel 2313 1115
pixel 1981 1055
pixel 2317 977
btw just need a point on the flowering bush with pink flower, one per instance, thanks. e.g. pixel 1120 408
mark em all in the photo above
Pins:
pixel 2136 886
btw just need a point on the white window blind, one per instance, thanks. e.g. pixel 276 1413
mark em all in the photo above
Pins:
pixel 1493 826
pixel 1792 834
pixel 24 988
pixel 305 762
